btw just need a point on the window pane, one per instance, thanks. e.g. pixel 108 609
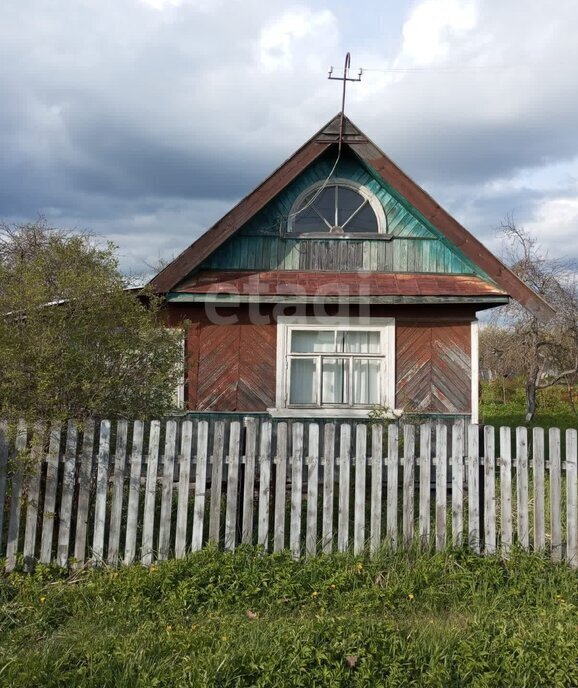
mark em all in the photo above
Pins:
pixel 366 379
pixel 303 389
pixel 312 341
pixel 349 201
pixel 362 342
pixel 364 221
pixel 325 204
pixel 335 378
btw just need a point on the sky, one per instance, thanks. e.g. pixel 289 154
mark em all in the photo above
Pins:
pixel 144 121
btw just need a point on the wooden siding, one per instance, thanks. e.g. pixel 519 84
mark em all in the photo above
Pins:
pixel 236 368
pixel 433 367
pixel 416 247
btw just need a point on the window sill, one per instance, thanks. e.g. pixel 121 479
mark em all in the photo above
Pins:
pixel 318 413
pixel 361 236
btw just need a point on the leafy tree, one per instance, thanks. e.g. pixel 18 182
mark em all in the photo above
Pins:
pixel 543 354
pixel 74 341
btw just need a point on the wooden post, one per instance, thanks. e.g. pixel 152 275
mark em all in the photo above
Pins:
pixel 167 488
pixel 572 498
pixel 424 483
pixel 249 483
pixel 392 483
pixel 216 482
pixel 117 492
pixel 441 485
pixel 84 488
pixel 506 489
pixel 232 485
pixel 376 486
pixel 134 491
pixel 200 484
pixel 33 496
pixel 312 489
pixel 296 489
pixel 360 475
pixel 489 490
pixel 328 486
pixel 101 492
pixel 344 478
pixel 555 494
pixel 522 486
pixel 3 476
pixel 49 514
pixel 264 485
pixel 458 454
pixel 183 489
pixel 539 510
pixel 473 488
pixel 67 494
pixel 15 499
pixel 150 494
pixel 280 487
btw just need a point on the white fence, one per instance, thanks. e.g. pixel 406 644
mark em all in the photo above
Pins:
pixel 124 492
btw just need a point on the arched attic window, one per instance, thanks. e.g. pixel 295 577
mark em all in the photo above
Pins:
pixel 340 207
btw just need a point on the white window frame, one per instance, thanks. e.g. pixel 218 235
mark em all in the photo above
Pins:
pixel 286 325
pixel 363 191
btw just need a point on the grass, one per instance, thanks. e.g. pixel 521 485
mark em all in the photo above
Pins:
pixel 244 619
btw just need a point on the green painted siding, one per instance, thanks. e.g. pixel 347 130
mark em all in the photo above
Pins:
pixel 416 247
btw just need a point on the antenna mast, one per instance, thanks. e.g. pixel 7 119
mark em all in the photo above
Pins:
pixel 345 78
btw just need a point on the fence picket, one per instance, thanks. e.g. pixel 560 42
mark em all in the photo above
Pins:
pixel 506 489
pixel 376 487
pixel 572 497
pixel 183 489
pixel 408 483
pixel 360 477
pixel 249 484
pixel 296 489
pixel 232 485
pixel 555 494
pixel 216 482
pixel 522 486
pixel 150 494
pixel 16 498
pixel 392 482
pixel 539 511
pixel 117 493
pixel 101 491
pixel 441 485
pixel 167 489
pixel 328 486
pixel 134 491
pixel 473 488
pixel 424 484
pixel 84 484
pixel 312 489
pixel 280 487
pixel 458 483
pixel 67 494
pixel 264 485
pixel 49 511
pixel 200 485
pixel 344 481
pixel 33 494
pixel 4 444
pixel 489 490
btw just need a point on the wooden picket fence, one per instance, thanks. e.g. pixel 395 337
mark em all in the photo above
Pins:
pixel 112 493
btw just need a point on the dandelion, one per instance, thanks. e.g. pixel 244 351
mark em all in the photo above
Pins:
pixel 224 638
pixel 314 593
pixel 410 596
pixel 333 586
pixel 169 628
pixel 359 566
pixel 42 600
pixel 152 568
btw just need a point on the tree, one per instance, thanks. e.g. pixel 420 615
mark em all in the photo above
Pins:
pixel 543 354
pixel 74 341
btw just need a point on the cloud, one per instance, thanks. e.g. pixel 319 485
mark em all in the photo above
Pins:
pixel 152 117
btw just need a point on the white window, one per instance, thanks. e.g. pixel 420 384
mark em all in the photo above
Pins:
pixel 339 207
pixel 331 366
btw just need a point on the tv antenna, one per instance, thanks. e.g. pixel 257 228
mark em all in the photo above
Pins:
pixel 345 78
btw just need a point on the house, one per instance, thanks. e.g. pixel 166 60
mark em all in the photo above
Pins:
pixel 338 285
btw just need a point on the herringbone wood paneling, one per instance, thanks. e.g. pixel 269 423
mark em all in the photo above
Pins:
pixel 433 367
pixel 235 368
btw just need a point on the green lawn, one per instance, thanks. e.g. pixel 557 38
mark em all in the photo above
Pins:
pixel 245 619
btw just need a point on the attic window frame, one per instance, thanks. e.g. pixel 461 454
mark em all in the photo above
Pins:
pixel 362 190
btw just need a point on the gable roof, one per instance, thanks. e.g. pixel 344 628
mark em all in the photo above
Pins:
pixel 369 154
